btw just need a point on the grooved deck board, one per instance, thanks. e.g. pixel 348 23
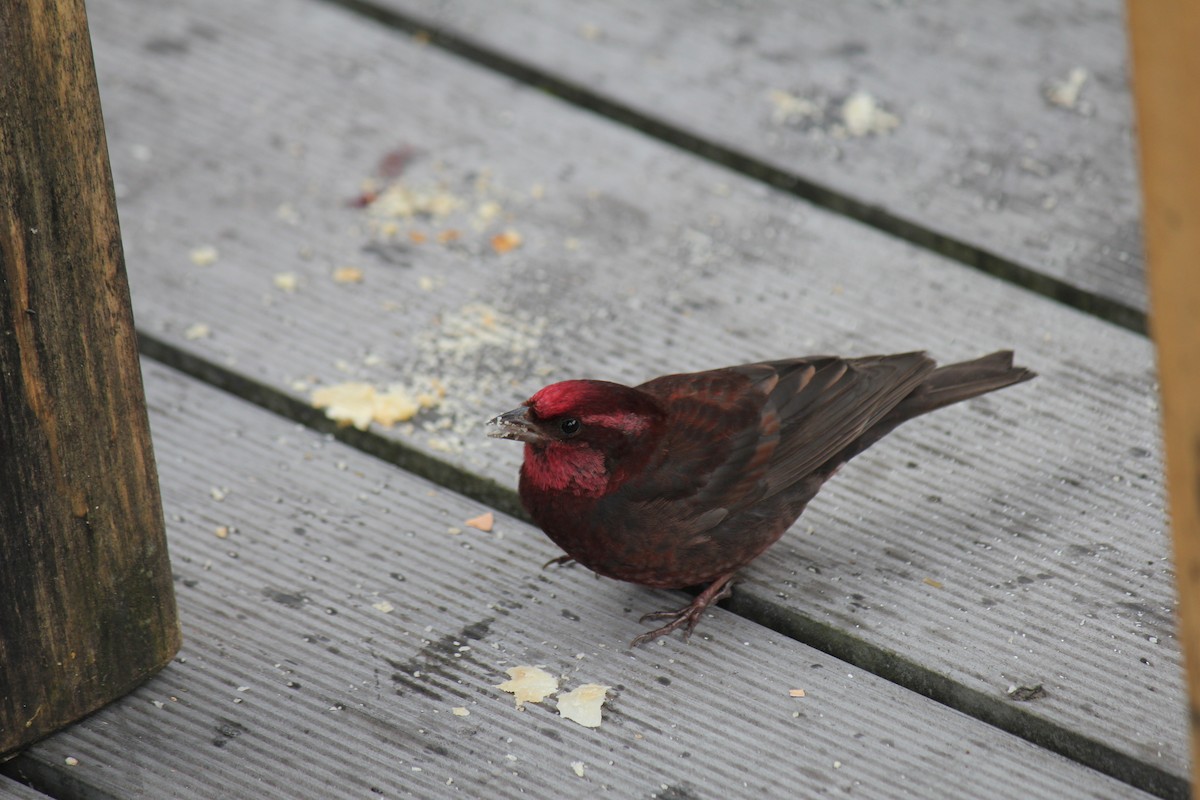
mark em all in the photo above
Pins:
pixel 979 154
pixel 293 684
pixel 1038 510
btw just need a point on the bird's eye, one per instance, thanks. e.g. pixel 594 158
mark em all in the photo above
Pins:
pixel 569 426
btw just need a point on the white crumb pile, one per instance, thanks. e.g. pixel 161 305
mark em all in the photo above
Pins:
pixel 853 116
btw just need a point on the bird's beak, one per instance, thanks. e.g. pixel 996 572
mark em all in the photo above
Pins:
pixel 516 425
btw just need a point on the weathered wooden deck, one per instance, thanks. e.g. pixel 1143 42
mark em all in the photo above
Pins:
pixel 687 193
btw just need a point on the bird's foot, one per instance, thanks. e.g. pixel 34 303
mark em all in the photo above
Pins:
pixel 688 616
pixel 561 561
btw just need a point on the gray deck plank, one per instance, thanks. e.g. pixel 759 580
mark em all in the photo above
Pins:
pixel 1038 511
pixel 339 699
pixel 979 154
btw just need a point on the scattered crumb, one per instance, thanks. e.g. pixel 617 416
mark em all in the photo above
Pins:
pixel 204 256
pixel 578 766
pixel 448 235
pixel 71 761
pixel 862 116
pixel 286 213
pixel 1065 93
pixel 583 703
pixel 529 684
pixel 426 283
pixel 360 404
pixel 348 275
pixel 217 493
pixel 460 711
pixel 507 241
pixel 222 531
pixel 286 281
pixel 384 606
pixel 487 212
pixel 399 201
pixel 932 582
pixel 483 522
pixel 417 237
pixel 789 108
pixel 591 32
pixel 454 531
pixel 796 693
pixel 197 331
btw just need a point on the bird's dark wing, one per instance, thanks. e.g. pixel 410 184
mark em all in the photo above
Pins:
pixel 842 401
pixel 737 435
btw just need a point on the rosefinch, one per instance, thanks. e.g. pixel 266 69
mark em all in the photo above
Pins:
pixel 685 479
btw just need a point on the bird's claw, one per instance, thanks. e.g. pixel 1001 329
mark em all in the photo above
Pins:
pixel 561 561
pixel 687 617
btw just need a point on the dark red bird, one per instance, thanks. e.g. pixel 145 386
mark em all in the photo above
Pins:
pixel 687 478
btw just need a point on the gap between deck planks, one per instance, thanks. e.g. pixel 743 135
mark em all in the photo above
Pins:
pixel 338 622
pixel 1051 484
pixel 1088 257
pixel 15 790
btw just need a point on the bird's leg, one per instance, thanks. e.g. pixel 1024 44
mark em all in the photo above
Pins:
pixel 688 616
pixel 561 561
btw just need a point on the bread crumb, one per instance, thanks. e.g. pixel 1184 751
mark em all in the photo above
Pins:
pixel 789 108
pixel 796 693
pixel 862 115
pixel 529 684
pixel 460 711
pixel 286 281
pixel 483 522
pixel 582 704
pixel 204 256
pixel 384 606
pixel 506 242
pixel 360 404
pixel 1065 93
pixel 578 766
pixel 197 331
pixel 348 275
pixel 932 582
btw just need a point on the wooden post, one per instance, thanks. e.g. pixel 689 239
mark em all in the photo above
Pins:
pixel 86 604
pixel 1165 38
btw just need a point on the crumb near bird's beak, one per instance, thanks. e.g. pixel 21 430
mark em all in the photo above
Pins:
pixel 514 425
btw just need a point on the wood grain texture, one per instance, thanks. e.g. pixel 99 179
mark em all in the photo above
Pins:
pixel 295 682
pixel 86 610
pixel 1037 510
pixel 997 156
pixel 1168 102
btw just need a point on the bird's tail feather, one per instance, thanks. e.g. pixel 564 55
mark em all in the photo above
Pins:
pixel 944 386
pixel 954 383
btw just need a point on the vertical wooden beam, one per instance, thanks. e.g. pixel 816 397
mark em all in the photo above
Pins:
pixel 1165 39
pixel 86 604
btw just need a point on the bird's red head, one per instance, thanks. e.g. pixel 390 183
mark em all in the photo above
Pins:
pixel 580 435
